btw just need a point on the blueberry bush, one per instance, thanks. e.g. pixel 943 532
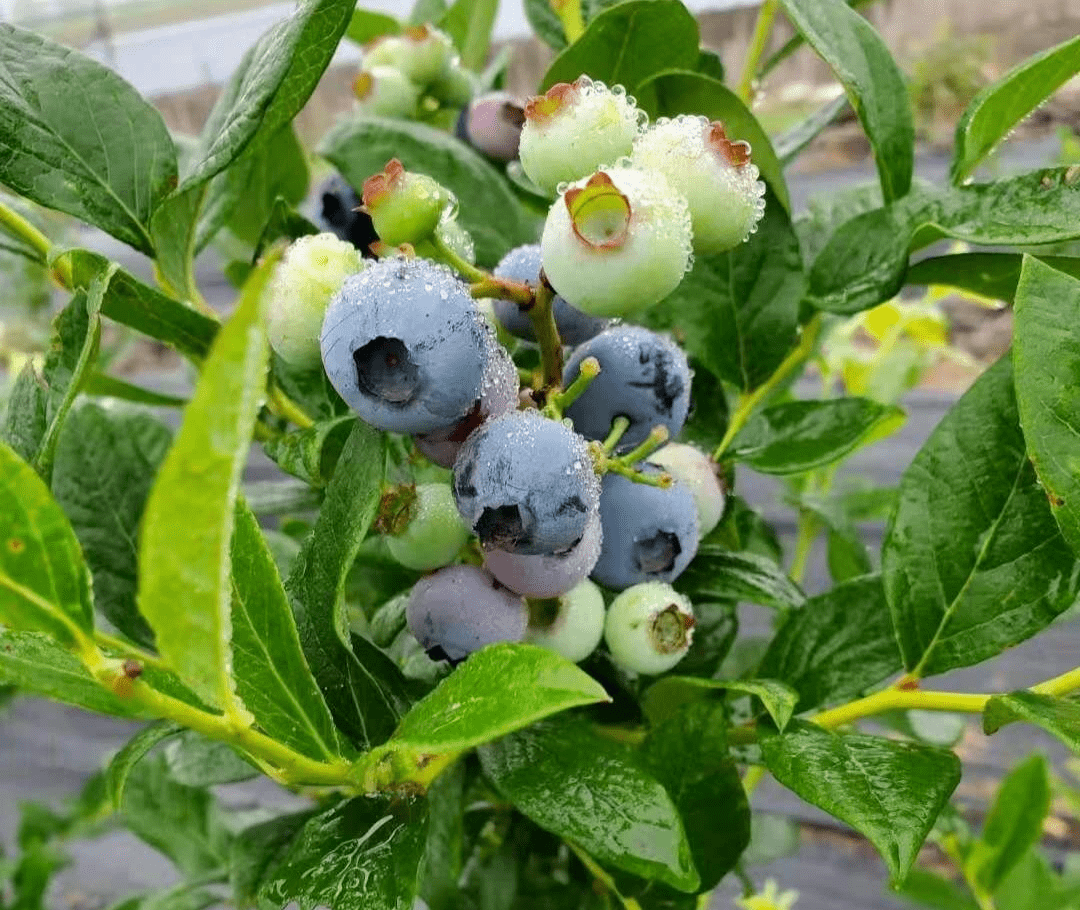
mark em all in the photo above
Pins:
pixel 487 628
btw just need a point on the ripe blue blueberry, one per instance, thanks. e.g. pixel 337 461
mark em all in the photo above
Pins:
pixel 337 205
pixel 547 576
pixel 405 347
pixel 526 485
pixel 459 609
pixel 650 534
pixel 644 377
pixel 523 264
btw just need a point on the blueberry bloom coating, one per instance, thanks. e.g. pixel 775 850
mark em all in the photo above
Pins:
pixel 643 377
pixel 525 484
pixel 404 346
pixel 650 534
pixel 523 264
pixel 459 609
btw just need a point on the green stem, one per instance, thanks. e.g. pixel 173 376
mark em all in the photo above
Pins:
pixel 587 372
pixel 658 435
pixel 755 774
pixel 569 13
pixel 750 402
pixel 619 426
pixel 127 649
pixel 283 406
pixel 14 224
pixel 462 266
pixel 762 29
pixel 900 699
pixel 542 317
pixel 808 528
pixel 603 880
pixel 1059 685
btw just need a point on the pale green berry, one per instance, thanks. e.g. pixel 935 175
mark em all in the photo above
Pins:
pixel 434 532
pixel 424 54
pixel 385 91
pixel 571 625
pixel 649 628
pixel 310 274
pixel 574 129
pixel 715 175
pixel 617 242
pixel 404 207
pixel 697 472
pixel 455 87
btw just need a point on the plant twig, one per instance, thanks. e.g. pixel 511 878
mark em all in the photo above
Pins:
pixel 762 30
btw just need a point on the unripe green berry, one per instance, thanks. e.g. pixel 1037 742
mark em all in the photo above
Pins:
pixel 434 532
pixel 404 207
pixel 455 87
pixel 649 628
pixel 310 274
pixel 715 175
pixel 385 91
pixel 423 54
pixel 571 625
pixel 574 129
pixel 697 472
pixel 617 242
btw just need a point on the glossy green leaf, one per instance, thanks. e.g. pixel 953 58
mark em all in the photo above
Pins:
pixel 1047 366
pixel 669 94
pixel 593 792
pixel 665 697
pixel 737 313
pixel 362 854
pixel 366 25
pixel 312 453
pixel 840 644
pixel 134 751
pixel 105 464
pixel 872 80
pixel 184 823
pixel 973 561
pixel 628 43
pixel 465 710
pixel 25 414
pixel 444 851
pixel 1059 717
pixel 361 146
pixel 200 480
pixel 719 573
pixel 44 582
pixel 1002 105
pixel 469 23
pixel 364 689
pixel 1014 824
pixel 273 679
pixel 891 792
pixel 257 850
pixel 992 275
pixel 78 138
pixel 34 663
pixel 101 385
pixel 309 388
pixel 798 436
pixel 688 753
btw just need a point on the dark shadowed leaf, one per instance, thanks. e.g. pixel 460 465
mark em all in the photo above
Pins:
pixel 257 850
pixel 196 761
pixel 134 751
pixel 665 697
pixel 992 275
pixel 717 572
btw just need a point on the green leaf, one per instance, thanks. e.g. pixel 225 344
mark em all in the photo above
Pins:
pixel 184 823
pixel 366 25
pixel 469 24
pixel 443 853
pixel 688 753
pixel 465 710
pixel 105 464
pixel 101 385
pixel 25 417
pixel 737 313
pixel 891 792
pixel 34 662
pixel 364 689
pixel 134 751
pixel 174 227
pixel 993 275
pixel 872 80
pixel 999 107
pixel 798 137
pixel 200 480
pixel 1060 717
pixel 718 573
pixel 973 561
pixel 195 761
pixel 312 453
pixel 362 854
pixel 1047 366
pixel 78 138
pixel 628 43
pixel 283 222
pixel 667 696
pixel 257 850
pixel 361 146
pixel 798 436
pixel 928 889
pixel 1013 825
pixel 840 644
pixel 309 388
pixel 44 582
pixel 273 679
pixel 594 793
pixel 669 94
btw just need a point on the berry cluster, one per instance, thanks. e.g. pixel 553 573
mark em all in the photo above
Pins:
pixel 568 482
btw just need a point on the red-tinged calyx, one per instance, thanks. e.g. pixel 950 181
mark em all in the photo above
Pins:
pixel 379 186
pixel 599 213
pixel 418 33
pixel 671 629
pixel 542 108
pixel 735 153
